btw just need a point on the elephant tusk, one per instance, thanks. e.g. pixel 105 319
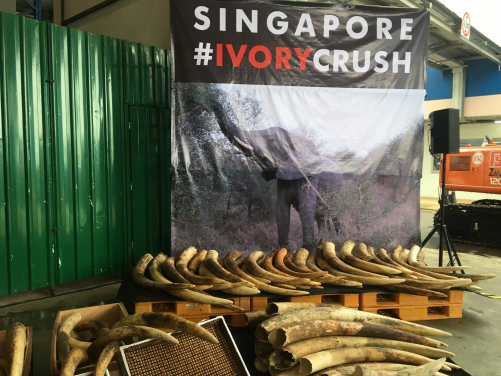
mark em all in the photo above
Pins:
pixel 416 291
pixel 261 364
pixel 238 288
pixel 63 335
pixel 346 255
pixel 233 268
pixel 295 351
pixel 399 255
pixel 342 314
pixel 247 146
pixel 182 268
pixel 295 332
pixel 123 332
pixel 196 261
pixel 164 320
pixel 279 308
pixel 280 265
pixel 106 356
pixel 15 340
pixel 75 358
pixel 429 369
pixel 191 294
pixel 347 370
pixel 141 280
pixel 323 359
pixel 256 317
pixel 413 261
pixel 338 281
pixel 330 256
pixel 255 269
pixel 211 262
pixel 322 263
pixel 262 348
pixel 300 268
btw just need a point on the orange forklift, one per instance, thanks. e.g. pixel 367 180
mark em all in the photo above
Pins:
pixel 473 169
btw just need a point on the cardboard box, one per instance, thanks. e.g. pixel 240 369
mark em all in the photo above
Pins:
pixel 28 359
pixel 109 313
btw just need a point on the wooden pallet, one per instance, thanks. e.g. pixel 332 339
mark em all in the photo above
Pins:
pixel 418 313
pixel 388 299
pixel 345 300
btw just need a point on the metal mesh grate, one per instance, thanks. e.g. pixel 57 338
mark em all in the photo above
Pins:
pixel 192 357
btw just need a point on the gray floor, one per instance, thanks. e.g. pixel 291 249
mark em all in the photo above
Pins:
pixel 475 341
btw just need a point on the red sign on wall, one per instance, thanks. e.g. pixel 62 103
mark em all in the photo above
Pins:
pixel 495 159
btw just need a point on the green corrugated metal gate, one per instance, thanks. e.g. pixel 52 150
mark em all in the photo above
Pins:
pixel 83 118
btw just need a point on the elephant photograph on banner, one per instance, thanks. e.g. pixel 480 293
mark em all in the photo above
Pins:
pixel 258 167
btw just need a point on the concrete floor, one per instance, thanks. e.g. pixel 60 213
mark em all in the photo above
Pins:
pixel 476 336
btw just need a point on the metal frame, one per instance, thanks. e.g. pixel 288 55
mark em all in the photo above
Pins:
pixel 83 14
pixel 36 9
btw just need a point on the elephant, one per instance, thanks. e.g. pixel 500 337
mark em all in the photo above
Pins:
pixel 300 170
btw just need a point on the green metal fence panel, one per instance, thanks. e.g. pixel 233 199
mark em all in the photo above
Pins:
pixel 66 210
pixel 147 75
pixel 24 184
pixel 149 127
pixel 88 135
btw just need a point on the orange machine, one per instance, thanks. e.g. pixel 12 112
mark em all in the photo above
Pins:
pixel 474 169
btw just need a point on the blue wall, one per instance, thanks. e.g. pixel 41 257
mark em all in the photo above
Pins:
pixel 438 87
pixel 482 78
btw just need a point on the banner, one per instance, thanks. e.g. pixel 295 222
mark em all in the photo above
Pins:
pixel 294 122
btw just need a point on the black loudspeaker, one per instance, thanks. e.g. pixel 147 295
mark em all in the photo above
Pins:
pixel 444 127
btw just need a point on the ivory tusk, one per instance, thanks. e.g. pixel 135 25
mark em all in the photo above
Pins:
pixel 284 335
pixel 342 314
pixel 121 333
pixel 279 264
pixel 233 268
pixel 106 356
pixel 267 264
pixel 166 321
pixel 196 261
pixel 75 358
pixel 260 272
pixel 330 256
pixel 193 295
pixel 256 317
pixel 322 263
pixel 182 268
pixel 425 370
pixel 15 341
pixel 212 264
pixel 345 253
pixel 339 281
pixel 295 351
pixel 141 280
pixel 63 335
pixel 347 370
pixel 323 359
pixel 247 146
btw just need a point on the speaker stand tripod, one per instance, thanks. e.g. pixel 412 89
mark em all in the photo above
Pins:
pixel 442 227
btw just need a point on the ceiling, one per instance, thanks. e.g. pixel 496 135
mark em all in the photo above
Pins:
pixel 447 49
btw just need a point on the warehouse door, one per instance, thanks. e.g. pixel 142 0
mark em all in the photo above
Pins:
pixel 149 177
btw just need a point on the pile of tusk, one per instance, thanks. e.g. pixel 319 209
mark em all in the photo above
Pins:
pixel 299 339
pixel 193 274
pixel 75 349
pixel 15 344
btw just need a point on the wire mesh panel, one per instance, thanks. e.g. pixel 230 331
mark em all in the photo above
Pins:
pixel 191 357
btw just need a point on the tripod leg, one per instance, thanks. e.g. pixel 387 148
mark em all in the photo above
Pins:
pixel 450 246
pixel 429 236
